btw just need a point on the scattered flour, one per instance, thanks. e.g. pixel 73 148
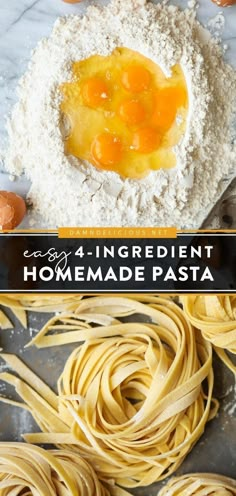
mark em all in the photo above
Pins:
pixel 230 407
pixel 66 191
pixel 216 24
pixel 192 4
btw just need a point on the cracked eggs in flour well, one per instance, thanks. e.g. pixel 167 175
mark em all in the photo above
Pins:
pixel 120 117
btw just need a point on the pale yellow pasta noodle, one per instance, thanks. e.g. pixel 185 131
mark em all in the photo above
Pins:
pixel 200 485
pixel 131 397
pixel 27 470
pixel 19 304
pixel 215 316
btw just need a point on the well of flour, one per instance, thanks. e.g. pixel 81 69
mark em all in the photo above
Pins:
pixel 68 191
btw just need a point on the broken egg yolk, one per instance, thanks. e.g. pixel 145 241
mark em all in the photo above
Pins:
pixel 146 140
pixel 121 113
pixel 135 78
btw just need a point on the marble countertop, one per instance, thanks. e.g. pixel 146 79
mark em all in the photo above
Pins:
pixel 24 23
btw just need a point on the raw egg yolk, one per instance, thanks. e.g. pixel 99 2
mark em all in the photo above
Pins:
pixel 132 112
pixel 136 78
pixel 146 140
pixel 95 92
pixel 166 103
pixel 119 113
pixel 106 149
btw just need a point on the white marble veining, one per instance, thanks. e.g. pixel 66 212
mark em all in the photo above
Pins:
pixel 24 22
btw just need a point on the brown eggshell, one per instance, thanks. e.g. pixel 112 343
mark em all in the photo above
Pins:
pixel 72 1
pixel 224 3
pixel 12 210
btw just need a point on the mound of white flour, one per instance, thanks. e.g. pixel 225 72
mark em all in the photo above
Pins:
pixel 67 191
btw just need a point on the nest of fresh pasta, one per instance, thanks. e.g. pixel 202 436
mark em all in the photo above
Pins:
pixel 133 398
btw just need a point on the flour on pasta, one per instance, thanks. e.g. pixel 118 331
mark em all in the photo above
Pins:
pixel 67 191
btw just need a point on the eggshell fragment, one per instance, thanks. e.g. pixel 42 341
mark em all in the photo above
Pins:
pixel 224 3
pixel 12 210
pixel 72 1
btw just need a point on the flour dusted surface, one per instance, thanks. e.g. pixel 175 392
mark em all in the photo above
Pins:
pixel 67 191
